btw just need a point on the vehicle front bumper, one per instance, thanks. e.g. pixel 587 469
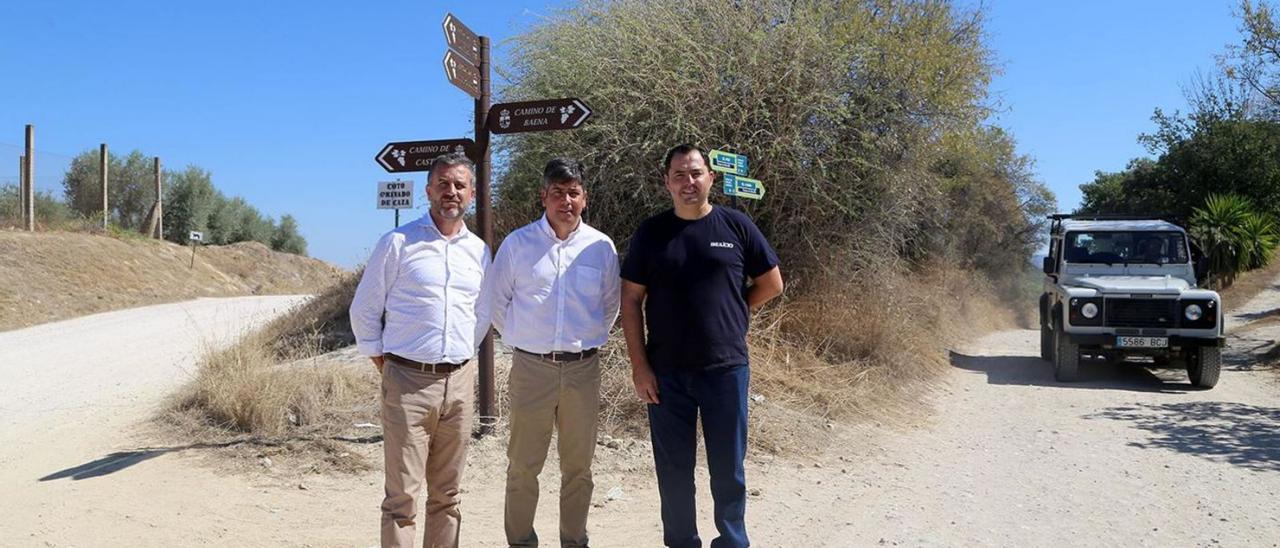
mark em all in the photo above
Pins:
pixel 1108 341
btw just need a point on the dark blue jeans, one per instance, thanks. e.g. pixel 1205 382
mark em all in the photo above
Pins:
pixel 721 395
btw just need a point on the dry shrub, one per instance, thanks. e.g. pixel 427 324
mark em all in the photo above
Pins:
pixel 865 348
pixel 243 390
pixel 1248 284
pixel 862 348
pixel 318 326
pixel 274 388
pixel 621 413
pixel 848 348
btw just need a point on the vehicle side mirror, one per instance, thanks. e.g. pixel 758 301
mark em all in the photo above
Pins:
pixel 1201 267
pixel 1048 265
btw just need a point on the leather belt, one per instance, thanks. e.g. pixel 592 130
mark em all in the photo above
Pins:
pixel 563 356
pixel 424 367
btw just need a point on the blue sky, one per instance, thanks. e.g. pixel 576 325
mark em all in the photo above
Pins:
pixel 287 102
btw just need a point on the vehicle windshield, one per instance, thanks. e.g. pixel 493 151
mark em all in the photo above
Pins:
pixel 1098 247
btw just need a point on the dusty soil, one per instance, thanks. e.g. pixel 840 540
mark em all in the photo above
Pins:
pixel 1008 457
pixel 49 276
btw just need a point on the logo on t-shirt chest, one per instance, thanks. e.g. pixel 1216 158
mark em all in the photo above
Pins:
pixel 725 245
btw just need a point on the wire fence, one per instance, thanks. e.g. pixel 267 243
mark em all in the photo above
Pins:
pixel 50 168
pixel 49 171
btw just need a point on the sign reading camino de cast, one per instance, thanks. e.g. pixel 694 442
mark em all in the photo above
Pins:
pixel 407 156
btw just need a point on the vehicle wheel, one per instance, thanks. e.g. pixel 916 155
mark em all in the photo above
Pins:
pixel 1046 332
pixel 1066 358
pixel 1204 365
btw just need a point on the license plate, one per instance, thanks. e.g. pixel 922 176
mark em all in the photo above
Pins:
pixel 1142 342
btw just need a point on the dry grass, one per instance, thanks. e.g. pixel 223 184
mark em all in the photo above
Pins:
pixel 320 325
pixel 275 388
pixel 244 390
pixel 861 352
pixel 60 275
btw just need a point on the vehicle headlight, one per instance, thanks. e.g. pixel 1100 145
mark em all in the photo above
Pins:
pixel 1090 310
pixel 1193 312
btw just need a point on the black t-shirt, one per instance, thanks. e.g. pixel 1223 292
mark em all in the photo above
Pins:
pixel 695 274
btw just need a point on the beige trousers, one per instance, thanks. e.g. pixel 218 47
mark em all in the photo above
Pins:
pixel 546 395
pixel 426 424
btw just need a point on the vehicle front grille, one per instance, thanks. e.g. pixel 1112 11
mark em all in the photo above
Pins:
pixel 1141 312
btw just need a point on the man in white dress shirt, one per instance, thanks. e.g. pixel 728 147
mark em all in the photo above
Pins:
pixel 553 290
pixel 425 277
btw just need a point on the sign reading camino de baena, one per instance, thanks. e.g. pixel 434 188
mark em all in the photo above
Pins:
pixel 544 115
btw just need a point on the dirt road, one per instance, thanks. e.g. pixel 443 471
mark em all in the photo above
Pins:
pixel 1008 458
pixel 73 392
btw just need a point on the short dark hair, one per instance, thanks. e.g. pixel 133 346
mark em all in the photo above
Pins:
pixel 682 149
pixel 452 159
pixel 560 170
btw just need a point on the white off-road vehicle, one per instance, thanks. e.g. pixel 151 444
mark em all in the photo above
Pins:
pixel 1124 289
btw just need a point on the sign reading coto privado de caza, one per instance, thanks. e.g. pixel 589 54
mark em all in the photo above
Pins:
pixel 395 195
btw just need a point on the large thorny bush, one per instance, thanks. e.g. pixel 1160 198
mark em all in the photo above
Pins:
pixel 863 119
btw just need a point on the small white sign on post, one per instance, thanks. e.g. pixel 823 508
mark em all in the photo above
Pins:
pixel 395 195
pixel 194 237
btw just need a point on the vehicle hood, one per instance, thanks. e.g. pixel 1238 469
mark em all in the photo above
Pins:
pixel 1156 285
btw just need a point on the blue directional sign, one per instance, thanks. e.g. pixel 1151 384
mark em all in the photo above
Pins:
pixel 743 187
pixel 727 162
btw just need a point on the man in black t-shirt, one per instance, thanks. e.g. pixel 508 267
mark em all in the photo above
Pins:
pixel 685 278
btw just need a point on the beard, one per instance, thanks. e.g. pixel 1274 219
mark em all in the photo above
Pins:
pixel 450 211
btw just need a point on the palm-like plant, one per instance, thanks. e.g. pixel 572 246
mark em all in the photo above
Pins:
pixel 1258 241
pixel 1233 235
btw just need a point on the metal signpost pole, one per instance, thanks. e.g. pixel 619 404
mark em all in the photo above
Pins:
pixel 484 217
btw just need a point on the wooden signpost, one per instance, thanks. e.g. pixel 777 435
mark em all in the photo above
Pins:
pixel 466 66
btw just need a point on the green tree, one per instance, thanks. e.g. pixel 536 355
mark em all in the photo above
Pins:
pixel 287 238
pixel 1255 61
pixel 50 211
pixel 130 187
pixel 189 202
pixel 224 220
pixel 841 107
pixel 995 208
pixel 1140 189
pixel 1213 150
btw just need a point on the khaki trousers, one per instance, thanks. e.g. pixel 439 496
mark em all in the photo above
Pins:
pixel 546 394
pixel 426 424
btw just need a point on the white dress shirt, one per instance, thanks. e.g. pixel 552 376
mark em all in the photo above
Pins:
pixel 429 287
pixel 552 295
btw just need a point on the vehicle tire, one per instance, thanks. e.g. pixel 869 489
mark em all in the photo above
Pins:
pixel 1204 365
pixel 1066 358
pixel 1046 332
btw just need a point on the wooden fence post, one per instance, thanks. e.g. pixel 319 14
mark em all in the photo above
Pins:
pixel 102 168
